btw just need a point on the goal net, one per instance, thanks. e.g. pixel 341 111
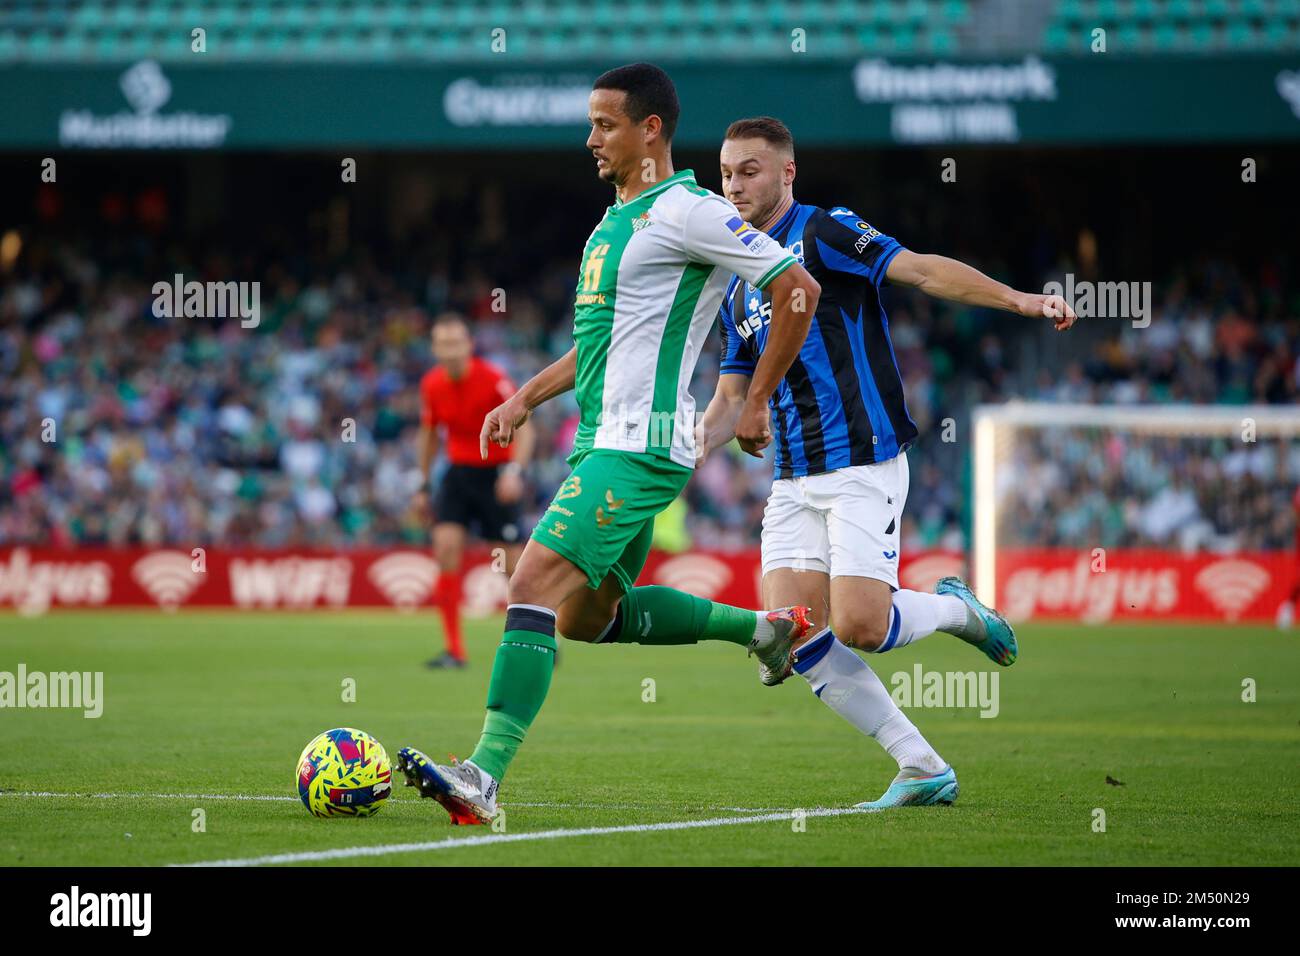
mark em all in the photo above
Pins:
pixel 1101 512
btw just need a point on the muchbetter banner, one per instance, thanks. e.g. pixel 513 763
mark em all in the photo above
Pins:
pixel 871 100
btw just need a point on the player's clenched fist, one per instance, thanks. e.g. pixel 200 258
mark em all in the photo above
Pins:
pixel 1054 307
pixel 500 424
pixel 753 429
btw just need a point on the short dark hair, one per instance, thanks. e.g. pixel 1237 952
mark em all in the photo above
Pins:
pixel 451 317
pixel 649 90
pixel 762 127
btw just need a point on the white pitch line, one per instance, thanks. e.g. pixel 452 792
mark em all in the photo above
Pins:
pixel 452 843
pixel 145 796
pixel 254 796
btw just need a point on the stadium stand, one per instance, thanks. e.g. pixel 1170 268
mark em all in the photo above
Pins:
pixel 290 30
pixel 1175 26
pixel 232 436
pixel 551 30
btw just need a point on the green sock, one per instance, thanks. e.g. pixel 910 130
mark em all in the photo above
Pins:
pixel 521 676
pixel 659 615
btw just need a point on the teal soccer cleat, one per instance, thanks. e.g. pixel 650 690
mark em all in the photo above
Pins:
pixel 989 630
pixel 917 791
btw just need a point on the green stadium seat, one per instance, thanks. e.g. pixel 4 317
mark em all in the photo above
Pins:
pixel 1059 39
pixel 1167 36
pixel 677 13
pixel 869 40
pixel 956 12
pixel 1240 35
pixel 1069 10
pixel 1106 11
pixel 328 18
pixel 1278 35
pixel 88 16
pixel 603 16
pixel 902 40
pixel 1202 35
pixel 1128 37
pixel 844 13
pixel 941 43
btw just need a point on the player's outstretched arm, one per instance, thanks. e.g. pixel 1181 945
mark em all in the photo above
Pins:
pixel 718 423
pixel 950 279
pixel 794 301
pixel 557 378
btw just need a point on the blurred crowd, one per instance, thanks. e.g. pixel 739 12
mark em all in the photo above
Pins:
pixel 1124 489
pixel 118 427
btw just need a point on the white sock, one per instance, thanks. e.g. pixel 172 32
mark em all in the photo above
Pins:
pixel 763 630
pixel 846 685
pixel 915 615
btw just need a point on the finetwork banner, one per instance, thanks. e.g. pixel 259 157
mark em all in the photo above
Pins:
pixel 1061 584
pixel 871 100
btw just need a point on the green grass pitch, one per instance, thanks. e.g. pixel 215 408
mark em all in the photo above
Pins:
pixel 200 705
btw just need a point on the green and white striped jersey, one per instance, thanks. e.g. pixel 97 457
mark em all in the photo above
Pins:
pixel 652 278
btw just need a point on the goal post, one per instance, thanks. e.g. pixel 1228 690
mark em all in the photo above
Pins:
pixel 1095 447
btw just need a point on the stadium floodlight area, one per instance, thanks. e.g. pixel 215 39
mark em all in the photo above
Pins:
pixel 1182 478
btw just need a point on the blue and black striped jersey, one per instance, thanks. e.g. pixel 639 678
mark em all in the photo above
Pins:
pixel 841 403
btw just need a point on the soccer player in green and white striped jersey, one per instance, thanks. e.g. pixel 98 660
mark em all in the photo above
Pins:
pixel 652 277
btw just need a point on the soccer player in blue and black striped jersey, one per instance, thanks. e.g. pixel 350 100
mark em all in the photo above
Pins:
pixel 841 429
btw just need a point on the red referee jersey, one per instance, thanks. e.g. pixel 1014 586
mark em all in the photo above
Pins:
pixel 461 404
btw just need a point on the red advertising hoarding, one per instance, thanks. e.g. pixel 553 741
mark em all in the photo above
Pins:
pixel 1039 584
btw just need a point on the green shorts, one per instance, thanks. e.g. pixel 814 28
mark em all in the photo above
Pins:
pixel 602 518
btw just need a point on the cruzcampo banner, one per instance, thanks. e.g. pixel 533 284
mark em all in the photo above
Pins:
pixel 871 101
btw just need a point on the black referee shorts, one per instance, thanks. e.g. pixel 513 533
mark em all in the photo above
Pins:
pixel 467 497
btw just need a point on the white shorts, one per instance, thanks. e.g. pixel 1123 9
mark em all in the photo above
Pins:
pixel 842 523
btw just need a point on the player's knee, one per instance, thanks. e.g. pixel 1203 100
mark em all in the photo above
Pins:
pixel 866 632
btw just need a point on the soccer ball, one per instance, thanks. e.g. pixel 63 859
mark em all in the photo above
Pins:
pixel 344 772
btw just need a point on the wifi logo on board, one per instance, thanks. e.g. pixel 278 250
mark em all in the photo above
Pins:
pixel 406 578
pixel 1232 585
pixel 168 577
pixel 697 574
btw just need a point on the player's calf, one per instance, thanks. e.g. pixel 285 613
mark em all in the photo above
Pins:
pixel 910 616
pixel 589 616
pixel 865 631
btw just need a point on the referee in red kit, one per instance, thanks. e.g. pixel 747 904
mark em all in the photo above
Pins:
pixel 477 495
